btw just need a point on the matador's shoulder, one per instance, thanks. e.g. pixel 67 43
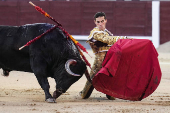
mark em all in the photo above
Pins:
pixel 93 31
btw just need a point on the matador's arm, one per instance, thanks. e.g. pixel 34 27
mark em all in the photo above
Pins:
pixel 110 40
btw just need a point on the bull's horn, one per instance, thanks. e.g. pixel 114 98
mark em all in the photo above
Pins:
pixel 67 67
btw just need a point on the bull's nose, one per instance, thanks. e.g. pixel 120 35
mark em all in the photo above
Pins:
pixel 56 94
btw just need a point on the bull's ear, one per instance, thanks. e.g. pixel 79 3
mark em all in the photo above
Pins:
pixel 67 67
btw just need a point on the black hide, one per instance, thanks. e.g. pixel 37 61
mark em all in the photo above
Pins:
pixel 46 57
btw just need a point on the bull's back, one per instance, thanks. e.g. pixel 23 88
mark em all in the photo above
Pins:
pixel 53 44
pixel 11 39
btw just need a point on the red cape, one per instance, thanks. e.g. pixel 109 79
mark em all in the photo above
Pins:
pixel 130 70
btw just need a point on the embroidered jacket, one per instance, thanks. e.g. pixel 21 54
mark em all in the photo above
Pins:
pixel 101 41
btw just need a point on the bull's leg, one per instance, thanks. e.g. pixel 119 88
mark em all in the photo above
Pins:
pixel 39 68
pixel 45 86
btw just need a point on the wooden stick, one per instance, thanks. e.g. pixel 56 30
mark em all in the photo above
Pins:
pixel 32 3
pixel 21 47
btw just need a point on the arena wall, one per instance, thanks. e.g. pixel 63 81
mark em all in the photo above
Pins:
pixel 124 18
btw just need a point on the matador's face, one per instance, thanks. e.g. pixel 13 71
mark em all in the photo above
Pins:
pixel 101 23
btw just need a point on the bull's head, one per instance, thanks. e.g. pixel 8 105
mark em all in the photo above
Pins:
pixel 74 69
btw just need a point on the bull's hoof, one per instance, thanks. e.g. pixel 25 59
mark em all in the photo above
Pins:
pixel 51 100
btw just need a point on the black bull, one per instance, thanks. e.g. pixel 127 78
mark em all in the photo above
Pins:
pixel 49 56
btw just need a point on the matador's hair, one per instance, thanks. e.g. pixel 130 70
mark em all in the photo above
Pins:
pixel 99 14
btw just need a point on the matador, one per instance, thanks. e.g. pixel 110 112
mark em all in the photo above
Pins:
pixel 100 42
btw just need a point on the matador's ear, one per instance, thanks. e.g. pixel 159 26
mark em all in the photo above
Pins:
pixel 94 21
